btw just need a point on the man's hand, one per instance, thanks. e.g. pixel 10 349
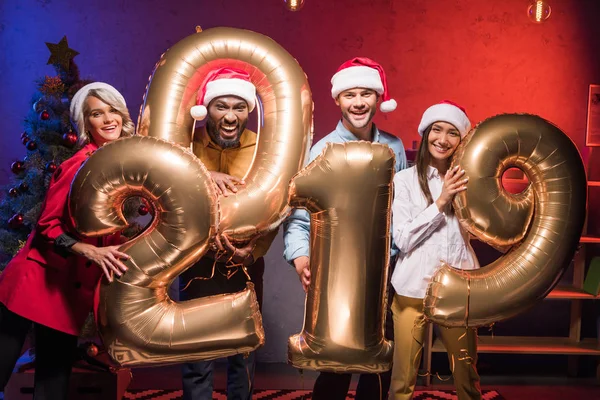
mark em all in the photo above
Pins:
pixel 226 184
pixel 238 255
pixel 302 266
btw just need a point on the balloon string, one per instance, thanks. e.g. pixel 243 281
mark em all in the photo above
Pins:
pixel 204 278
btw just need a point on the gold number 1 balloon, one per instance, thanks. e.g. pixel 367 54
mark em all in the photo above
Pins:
pixel 543 224
pixel 138 322
pixel 347 189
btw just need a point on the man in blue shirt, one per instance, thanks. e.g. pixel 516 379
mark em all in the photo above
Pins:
pixel 356 88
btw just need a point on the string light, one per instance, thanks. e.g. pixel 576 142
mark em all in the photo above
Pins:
pixel 539 11
pixel 294 5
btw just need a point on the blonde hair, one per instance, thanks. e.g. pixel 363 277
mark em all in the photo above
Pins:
pixel 112 100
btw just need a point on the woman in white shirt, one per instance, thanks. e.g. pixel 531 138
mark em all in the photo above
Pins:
pixel 427 232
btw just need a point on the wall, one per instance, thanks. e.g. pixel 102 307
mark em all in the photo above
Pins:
pixel 485 55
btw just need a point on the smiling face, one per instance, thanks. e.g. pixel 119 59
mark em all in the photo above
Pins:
pixel 227 119
pixel 442 141
pixel 358 107
pixel 103 121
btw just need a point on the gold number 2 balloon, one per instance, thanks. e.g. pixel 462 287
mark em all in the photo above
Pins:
pixel 138 322
pixel 543 223
pixel 347 189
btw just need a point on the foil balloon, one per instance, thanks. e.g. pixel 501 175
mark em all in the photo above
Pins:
pixel 285 102
pixel 138 322
pixel 348 190
pixel 542 224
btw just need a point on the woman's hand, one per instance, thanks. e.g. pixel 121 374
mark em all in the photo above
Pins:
pixel 453 183
pixel 226 184
pixel 107 258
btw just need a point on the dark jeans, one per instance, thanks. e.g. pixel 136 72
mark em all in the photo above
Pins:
pixel 198 376
pixel 54 355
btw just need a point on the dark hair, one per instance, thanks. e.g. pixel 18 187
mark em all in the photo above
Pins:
pixel 422 163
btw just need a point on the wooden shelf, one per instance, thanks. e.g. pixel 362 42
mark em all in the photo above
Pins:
pixel 530 345
pixel 570 293
pixel 589 239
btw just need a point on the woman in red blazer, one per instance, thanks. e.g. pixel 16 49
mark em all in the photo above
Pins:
pixel 50 282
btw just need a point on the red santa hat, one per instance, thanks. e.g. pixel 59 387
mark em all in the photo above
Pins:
pixel 362 72
pixel 446 111
pixel 224 81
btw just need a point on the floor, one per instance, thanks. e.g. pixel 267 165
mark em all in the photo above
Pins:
pixel 283 376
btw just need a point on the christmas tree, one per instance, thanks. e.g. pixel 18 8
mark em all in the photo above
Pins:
pixel 50 139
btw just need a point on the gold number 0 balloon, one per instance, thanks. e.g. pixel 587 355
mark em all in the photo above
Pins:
pixel 348 191
pixel 287 107
pixel 544 223
pixel 138 322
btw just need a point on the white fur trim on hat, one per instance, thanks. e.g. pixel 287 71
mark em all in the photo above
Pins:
pixel 388 106
pixel 446 113
pixel 81 95
pixel 231 87
pixel 356 77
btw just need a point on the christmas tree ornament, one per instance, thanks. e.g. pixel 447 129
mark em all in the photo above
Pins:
pixel 23 187
pixel 24 134
pixel 16 221
pixel 31 145
pixel 24 140
pixel 143 209
pixel 92 350
pixel 13 192
pixel 52 86
pixel 17 167
pixel 60 53
pixel 69 139
pixel 51 167
pixel 44 115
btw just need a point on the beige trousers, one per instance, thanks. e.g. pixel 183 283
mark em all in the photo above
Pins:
pixel 409 333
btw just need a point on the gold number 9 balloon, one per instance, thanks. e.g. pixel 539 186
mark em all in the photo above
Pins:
pixel 347 189
pixel 137 320
pixel 543 224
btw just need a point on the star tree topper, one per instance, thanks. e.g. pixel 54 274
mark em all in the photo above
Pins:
pixel 60 53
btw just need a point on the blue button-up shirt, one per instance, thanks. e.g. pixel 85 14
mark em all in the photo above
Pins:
pixel 296 235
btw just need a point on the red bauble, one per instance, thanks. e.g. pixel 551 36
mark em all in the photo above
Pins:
pixel 92 350
pixel 13 192
pixel 51 167
pixel 44 115
pixel 31 145
pixel 69 139
pixel 16 221
pixel 17 167
pixel 143 209
pixel 23 187
pixel 24 134
pixel 25 139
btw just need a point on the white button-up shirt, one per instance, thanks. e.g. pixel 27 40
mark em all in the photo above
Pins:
pixel 425 236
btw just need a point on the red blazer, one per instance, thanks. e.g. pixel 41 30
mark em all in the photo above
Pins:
pixel 42 285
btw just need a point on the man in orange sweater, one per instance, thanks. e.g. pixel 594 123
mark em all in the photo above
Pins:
pixel 226 148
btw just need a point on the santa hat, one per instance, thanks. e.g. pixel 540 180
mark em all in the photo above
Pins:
pixel 82 94
pixel 446 111
pixel 362 72
pixel 224 82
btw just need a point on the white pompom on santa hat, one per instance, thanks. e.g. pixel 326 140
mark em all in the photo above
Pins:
pixel 225 81
pixel 362 72
pixel 446 111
